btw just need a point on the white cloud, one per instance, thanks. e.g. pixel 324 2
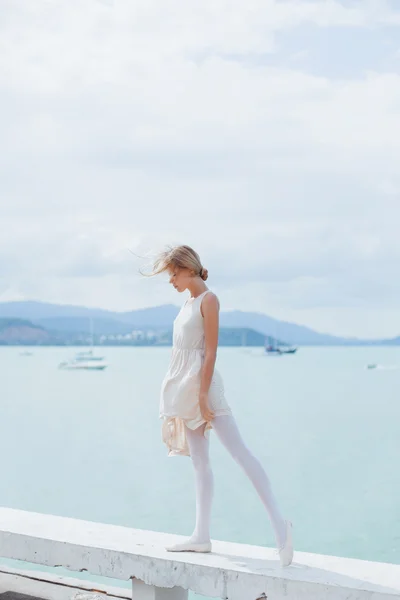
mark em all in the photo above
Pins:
pixel 133 124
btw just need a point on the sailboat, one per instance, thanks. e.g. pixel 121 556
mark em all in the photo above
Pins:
pixel 87 355
pixel 86 359
pixel 276 348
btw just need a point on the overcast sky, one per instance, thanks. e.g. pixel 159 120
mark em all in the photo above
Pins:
pixel 264 133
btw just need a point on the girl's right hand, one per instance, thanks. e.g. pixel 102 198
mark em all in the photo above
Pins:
pixel 206 411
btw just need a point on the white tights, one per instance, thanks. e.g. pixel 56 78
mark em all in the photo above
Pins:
pixel 228 433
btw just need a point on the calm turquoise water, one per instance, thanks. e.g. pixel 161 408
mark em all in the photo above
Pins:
pixel 87 445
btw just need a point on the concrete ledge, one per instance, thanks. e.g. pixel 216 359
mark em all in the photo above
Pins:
pixel 54 587
pixel 234 571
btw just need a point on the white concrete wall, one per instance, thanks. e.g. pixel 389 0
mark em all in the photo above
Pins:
pixel 52 586
pixel 234 571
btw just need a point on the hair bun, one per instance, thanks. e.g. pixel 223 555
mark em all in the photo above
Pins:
pixel 204 274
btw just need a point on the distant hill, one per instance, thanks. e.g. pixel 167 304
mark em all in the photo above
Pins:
pixel 82 325
pixel 393 341
pixel 43 310
pixel 240 336
pixel 158 316
pixel 281 330
pixel 21 331
pixel 74 319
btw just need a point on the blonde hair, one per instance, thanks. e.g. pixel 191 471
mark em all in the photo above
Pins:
pixel 181 257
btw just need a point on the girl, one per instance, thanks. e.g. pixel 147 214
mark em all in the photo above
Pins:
pixel 193 401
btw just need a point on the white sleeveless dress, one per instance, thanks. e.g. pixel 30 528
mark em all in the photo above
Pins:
pixel 179 405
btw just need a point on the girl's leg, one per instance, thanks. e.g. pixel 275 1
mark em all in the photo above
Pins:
pixel 199 452
pixel 227 431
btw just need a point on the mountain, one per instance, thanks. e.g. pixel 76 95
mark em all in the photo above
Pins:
pixel 42 310
pixel 239 336
pixel 156 317
pixel 281 330
pixel 82 325
pixel 393 341
pixel 21 331
pixel 76 319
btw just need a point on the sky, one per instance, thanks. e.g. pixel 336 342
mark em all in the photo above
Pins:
pixel 265 134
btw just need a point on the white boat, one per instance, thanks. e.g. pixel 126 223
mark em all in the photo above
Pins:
pixel 87 356
pixel 80 365
pixel 274 347
pixel 85 359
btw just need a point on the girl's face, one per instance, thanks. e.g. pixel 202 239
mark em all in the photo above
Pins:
pixel 179 278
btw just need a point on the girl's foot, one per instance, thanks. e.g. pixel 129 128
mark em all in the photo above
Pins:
pixel 286 551
pixel 190 546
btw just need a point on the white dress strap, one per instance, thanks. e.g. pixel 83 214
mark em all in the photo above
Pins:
pixel 200 297
pixel 191 300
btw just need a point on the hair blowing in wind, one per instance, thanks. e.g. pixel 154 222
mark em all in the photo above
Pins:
pixel 181 257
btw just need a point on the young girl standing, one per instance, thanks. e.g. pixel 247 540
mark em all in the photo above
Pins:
pixel 193 401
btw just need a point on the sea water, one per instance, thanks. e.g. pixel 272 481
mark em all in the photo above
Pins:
pixel 88 445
